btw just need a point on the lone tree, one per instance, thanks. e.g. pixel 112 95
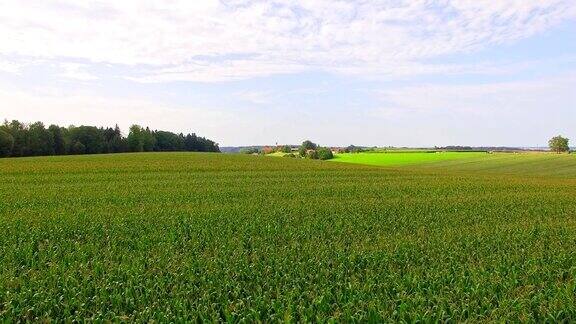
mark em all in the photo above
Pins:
pixel 307 145
pixel 559 144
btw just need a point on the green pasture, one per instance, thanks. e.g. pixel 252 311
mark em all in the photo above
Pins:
pixel 524 163
pixel 404 158
pixel 182 237
pixel 535 164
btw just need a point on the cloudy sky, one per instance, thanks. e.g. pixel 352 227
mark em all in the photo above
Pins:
pixel 241 72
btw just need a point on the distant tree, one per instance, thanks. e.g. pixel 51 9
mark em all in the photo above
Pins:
pixel 109 137
pixel 325 153
pixel 191 143
pixel 456 148
pixel 181 146
pixel 6 143
pixel 115 143
pixel 135 141
pixel 559 144
pixel 148 140
pixel 207 145
pixel 168 141
pixel 286 149
pixel 77 148
pixel 211 146
pixel 353 149
pixel 40 140
pixel 306 145
pixel 19 133
pixel 59 143
pixel 92 138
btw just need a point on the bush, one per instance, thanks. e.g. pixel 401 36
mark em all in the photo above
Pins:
pixel 324 153
pixel 289 155
pixel 312 154
pixel 286 149
pixel 249 150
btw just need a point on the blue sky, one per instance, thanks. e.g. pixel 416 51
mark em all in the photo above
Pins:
pixel 400 73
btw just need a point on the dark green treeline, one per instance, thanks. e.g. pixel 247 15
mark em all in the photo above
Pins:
pixel 20 139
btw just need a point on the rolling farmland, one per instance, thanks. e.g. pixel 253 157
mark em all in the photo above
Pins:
pixel 200 236
pixel 533 164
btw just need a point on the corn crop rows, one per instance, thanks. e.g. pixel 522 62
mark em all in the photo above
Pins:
pixel 214 237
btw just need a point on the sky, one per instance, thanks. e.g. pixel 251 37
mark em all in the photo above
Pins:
pixel 246 72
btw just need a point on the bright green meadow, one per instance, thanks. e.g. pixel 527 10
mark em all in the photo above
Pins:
pixel 404 158
pixel 536 164
pixel 217 237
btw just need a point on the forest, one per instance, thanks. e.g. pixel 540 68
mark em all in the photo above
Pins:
pixel 21 139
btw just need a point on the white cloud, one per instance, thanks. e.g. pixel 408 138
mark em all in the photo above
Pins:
pixel 76 71
pixel 255 97
pixel 213 40
pixel 510 98
pixel 225 70
pixel 9 67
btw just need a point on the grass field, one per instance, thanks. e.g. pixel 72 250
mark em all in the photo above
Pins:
pixel 185 236
pixel 403 158
pixel 536 164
